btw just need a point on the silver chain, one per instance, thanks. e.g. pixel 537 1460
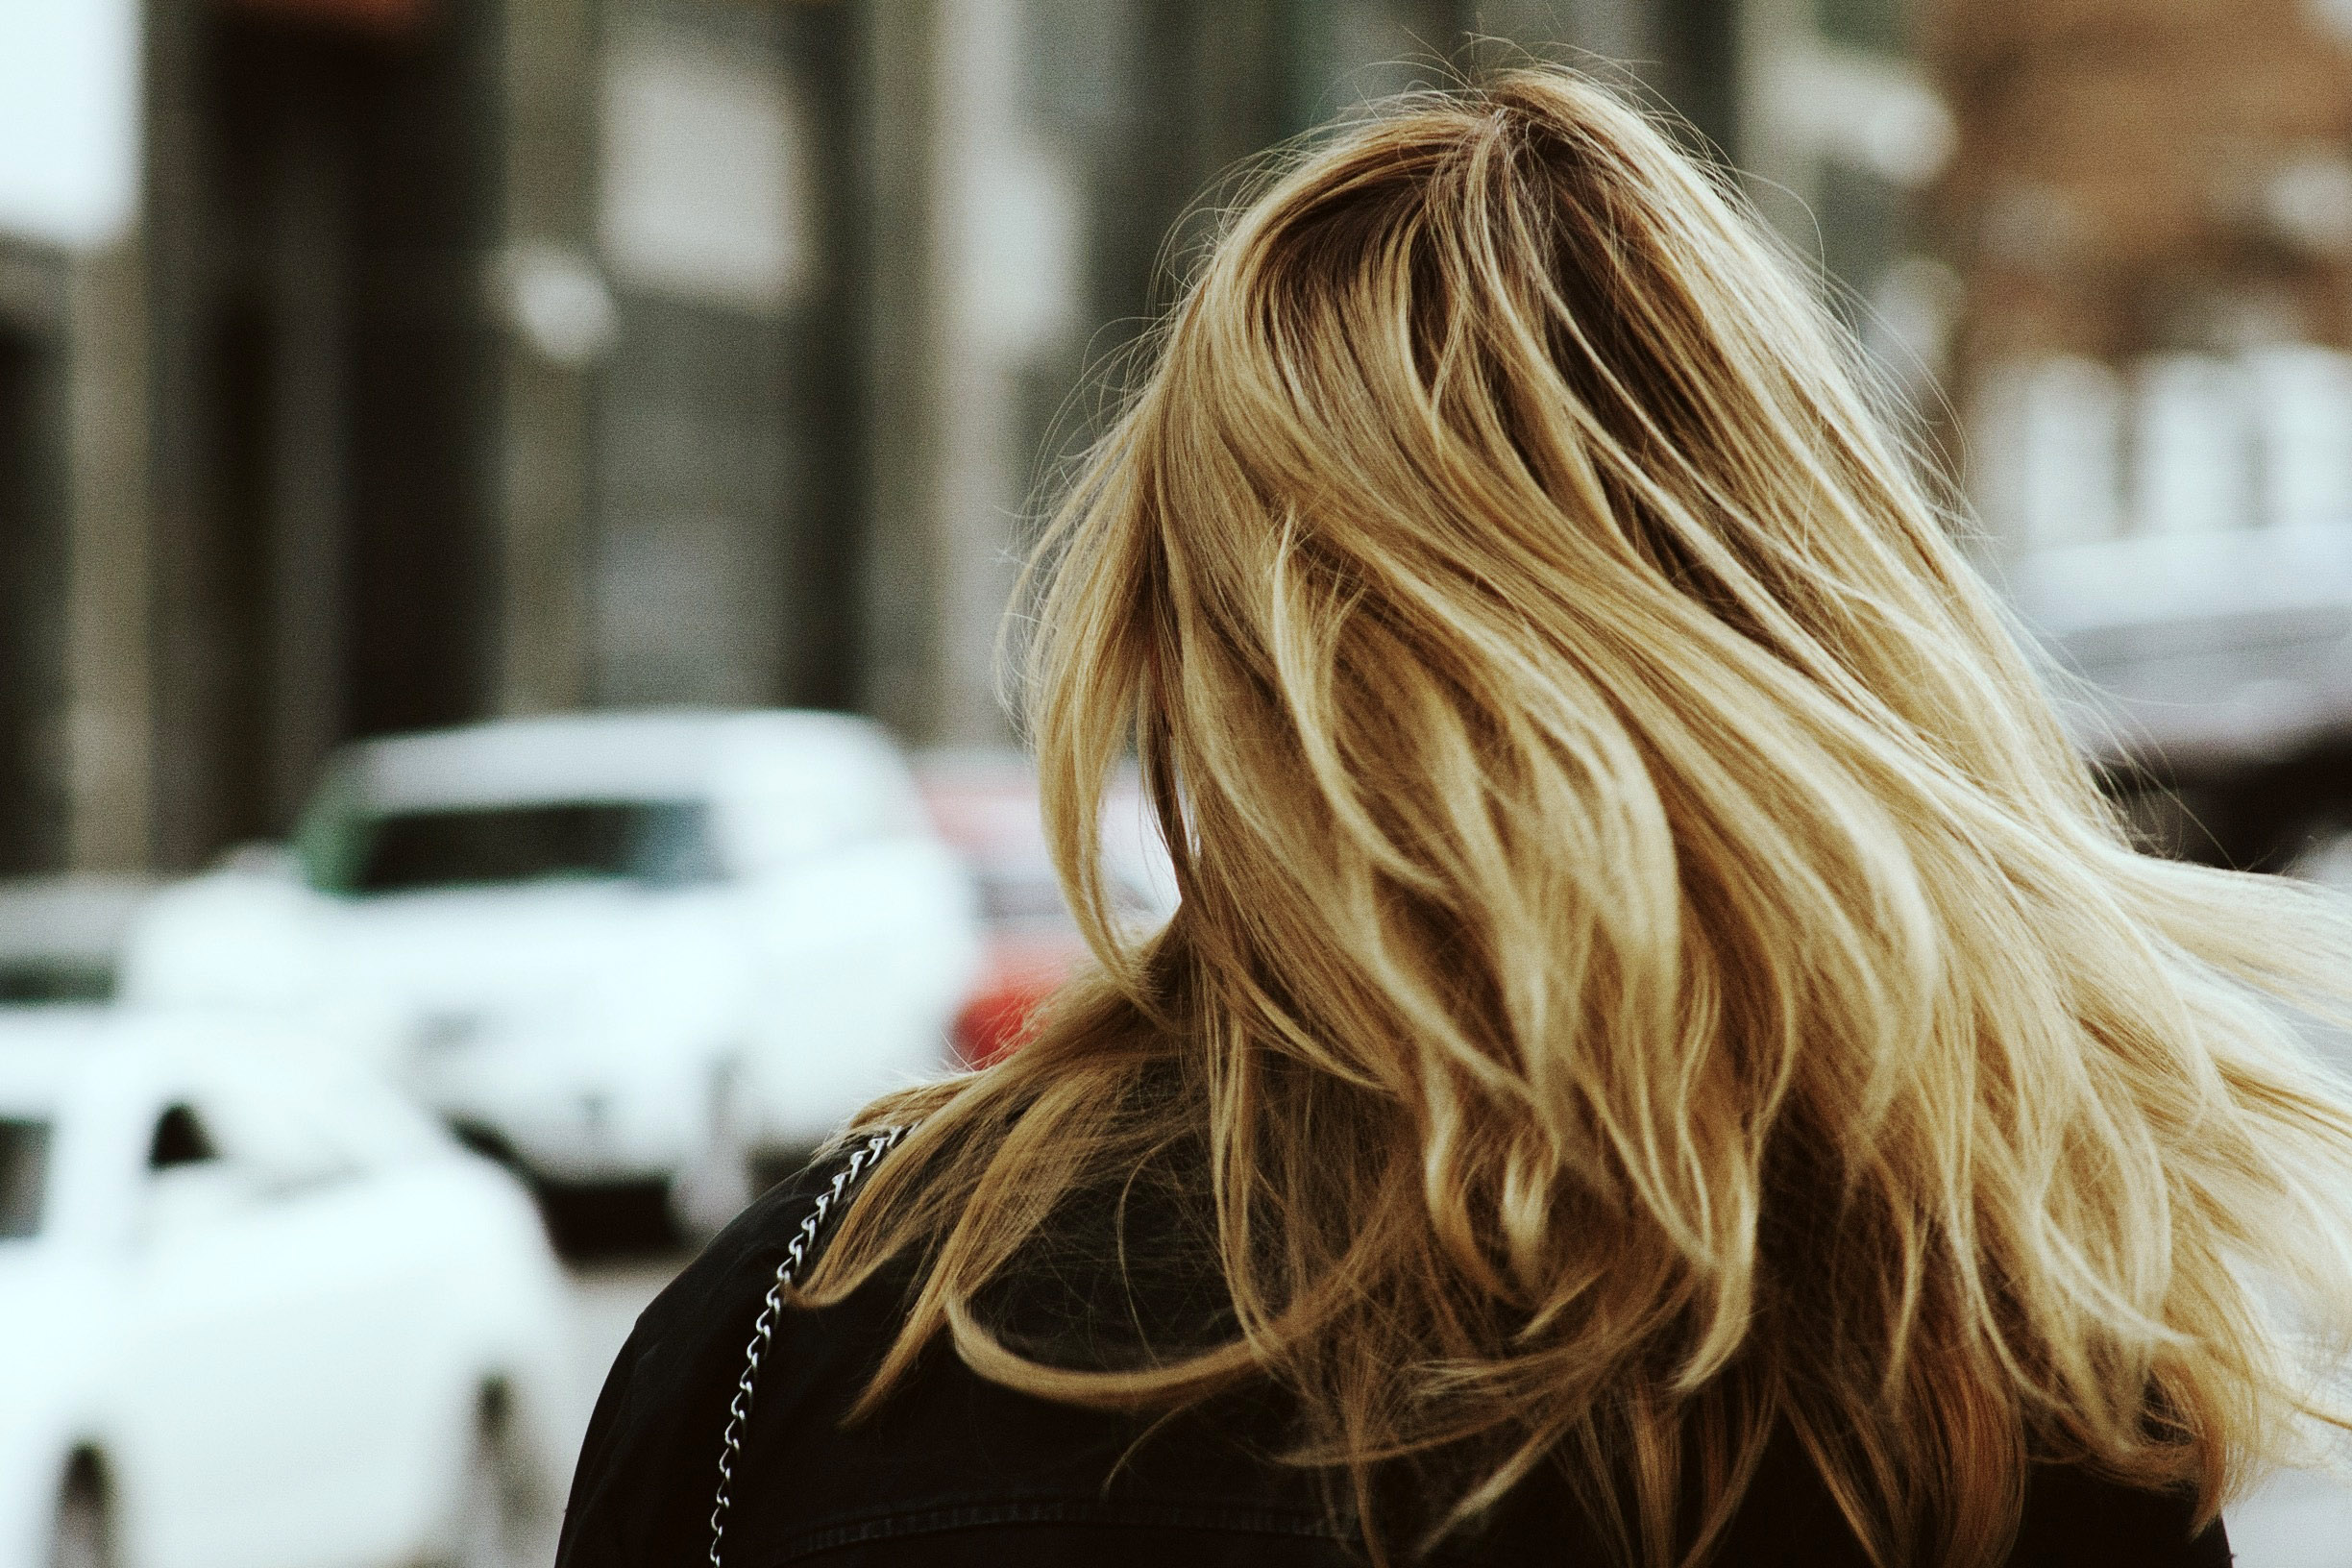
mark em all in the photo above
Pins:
pixel 797 1253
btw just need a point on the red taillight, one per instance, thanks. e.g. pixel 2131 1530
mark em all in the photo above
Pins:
pixel 998 1019
pixel 1021 973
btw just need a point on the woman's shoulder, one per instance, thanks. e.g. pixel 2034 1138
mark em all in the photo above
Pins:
pixel 952 1463
pixel 648 1469
pixel 948 1459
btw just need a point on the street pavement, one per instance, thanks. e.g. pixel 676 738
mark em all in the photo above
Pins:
pixel 606 1296
pixel 2298 1520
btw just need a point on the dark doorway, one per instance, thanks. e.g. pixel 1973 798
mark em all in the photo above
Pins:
pixel 319 203
pixel 32 566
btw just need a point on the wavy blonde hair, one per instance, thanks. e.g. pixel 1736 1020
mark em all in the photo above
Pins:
pixel 1651 971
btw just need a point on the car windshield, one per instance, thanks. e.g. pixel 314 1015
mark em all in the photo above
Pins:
pixel 48 979
pixel 657 843
pixel 24 1176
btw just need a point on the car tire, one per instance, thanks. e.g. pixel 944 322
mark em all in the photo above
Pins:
pixel 497 1521
pixel 83 1533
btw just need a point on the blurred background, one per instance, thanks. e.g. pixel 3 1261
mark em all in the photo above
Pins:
pixel 550 367
pixel 368 365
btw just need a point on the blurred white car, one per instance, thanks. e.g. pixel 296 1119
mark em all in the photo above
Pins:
pixel 614 946
pixel 256 1312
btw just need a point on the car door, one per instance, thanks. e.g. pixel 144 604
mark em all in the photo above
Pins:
pixel 213 1429
pixel 270 1366
pixel 407 1300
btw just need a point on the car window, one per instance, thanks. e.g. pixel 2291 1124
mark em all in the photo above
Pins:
pixel 657 843
pixel 192 1185
pixel 24 1176
pixel 328 838
pixel 180 1139
pixel 48 979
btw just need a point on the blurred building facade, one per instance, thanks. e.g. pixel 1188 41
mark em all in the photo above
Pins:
pixel 2150 215
pixel 444 359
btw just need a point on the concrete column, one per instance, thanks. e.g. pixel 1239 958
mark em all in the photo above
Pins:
pixel 190 643
pixel 997 201
pixel 1778 166
pixel 904 483
pixel 108 662
pixel 309 246
pixel 976 279
pixel 549 79
pixel 1618 33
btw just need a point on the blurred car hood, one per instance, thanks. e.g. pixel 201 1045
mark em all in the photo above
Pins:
pixel 238 940
pixel 485 946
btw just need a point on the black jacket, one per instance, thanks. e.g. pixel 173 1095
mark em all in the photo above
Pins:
pixel 956 1472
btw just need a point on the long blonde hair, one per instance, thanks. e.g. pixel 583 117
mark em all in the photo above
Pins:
pixel 1651 971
